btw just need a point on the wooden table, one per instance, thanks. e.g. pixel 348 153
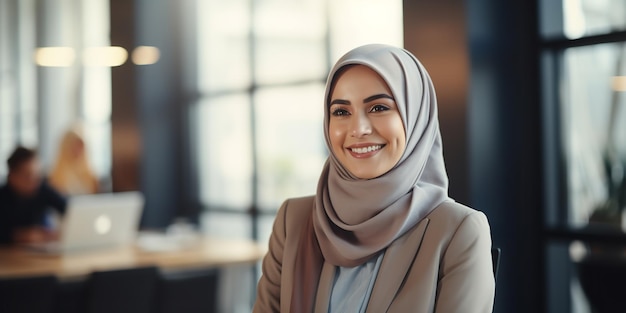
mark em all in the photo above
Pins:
pixel 202 252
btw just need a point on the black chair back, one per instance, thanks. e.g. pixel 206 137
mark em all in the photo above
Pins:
pixel 31 294
pixel 495 258
pixel 602 280
pixel 122 291
pixel 189 292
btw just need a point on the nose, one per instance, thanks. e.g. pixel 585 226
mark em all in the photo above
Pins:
pixel 361 125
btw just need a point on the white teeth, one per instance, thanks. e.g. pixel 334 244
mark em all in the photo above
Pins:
pixel 366 149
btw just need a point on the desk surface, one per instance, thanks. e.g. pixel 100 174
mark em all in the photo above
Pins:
pixel 201 253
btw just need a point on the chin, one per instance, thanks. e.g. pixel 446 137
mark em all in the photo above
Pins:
pixel 366 174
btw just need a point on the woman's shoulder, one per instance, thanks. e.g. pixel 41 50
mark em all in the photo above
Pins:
pixel 451 209
pixel 300 203
pixel 450 215
pixel 297 208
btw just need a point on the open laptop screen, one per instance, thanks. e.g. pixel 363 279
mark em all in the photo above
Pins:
pixel 100 220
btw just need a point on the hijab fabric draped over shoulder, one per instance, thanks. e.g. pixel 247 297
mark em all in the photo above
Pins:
pixel 354 219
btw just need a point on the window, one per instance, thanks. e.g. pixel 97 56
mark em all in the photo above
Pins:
pixel 263 67
pixel 18 109
pixel 583 52
pixel 38 103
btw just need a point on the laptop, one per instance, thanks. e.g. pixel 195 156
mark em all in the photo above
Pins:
pixel 97 221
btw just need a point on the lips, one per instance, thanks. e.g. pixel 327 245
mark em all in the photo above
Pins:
pixel 364 150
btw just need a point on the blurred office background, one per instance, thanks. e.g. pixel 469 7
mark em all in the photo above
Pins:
pixel 213 109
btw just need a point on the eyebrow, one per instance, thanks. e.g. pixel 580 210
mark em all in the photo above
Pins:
pixel 376 97
pixel 340 101
pixel 366 100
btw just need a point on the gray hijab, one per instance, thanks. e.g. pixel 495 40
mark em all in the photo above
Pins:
pixel 354 218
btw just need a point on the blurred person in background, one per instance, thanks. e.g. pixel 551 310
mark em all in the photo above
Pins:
pixel 26 200
pixel 72 174
pixel 381 233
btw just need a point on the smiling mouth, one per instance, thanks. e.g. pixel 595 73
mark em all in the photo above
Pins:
pixel 364 150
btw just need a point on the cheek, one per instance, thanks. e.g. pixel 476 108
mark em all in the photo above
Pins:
pixel 337 136
pixel 401 137
pixel 393 130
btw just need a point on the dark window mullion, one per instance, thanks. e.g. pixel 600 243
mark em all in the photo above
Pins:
pixel 556 201
pixel 564 43
pixel 586 235
pixel 255 86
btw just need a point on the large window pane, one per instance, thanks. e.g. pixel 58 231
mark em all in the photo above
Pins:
pixel 226 225
pixel 98 135
pixel 96 96
pixel 289 37
pixel 290 142
pixel 578 18
pixel 7 131
pixel 288 60
pixel 18 104
pixel 594 132
pixel 223 45
pixel 8 125
pixel 375 21
pixel 290 19
pixel 224 151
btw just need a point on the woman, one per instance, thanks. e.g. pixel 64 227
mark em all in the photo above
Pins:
pixel 381 234
pixel 71 173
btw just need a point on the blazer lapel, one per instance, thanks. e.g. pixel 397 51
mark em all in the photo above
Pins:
pixel 324 288
pixel 397 261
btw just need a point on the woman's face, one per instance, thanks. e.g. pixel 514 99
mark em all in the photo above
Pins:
pixel 365 127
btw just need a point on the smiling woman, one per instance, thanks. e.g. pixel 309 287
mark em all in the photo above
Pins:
pixel 381 233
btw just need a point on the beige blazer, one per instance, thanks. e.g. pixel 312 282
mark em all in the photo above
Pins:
pixel 441 265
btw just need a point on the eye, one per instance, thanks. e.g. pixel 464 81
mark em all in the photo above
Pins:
pixel 379 108
pixel 339 112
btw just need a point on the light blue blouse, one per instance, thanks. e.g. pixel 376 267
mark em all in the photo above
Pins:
pixel 352 286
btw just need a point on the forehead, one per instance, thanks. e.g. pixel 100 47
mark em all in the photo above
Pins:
pixel 359 74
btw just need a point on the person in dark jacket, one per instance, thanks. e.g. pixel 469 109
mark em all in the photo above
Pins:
pixel 26 201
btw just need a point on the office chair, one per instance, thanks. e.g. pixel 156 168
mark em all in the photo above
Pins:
pixel 32 294
pixel 602 280
pixel 188 292
pixel 70 297
pixel 122 291
pixel 495 259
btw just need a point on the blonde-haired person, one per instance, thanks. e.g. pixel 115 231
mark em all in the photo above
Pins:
pixel 72 174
